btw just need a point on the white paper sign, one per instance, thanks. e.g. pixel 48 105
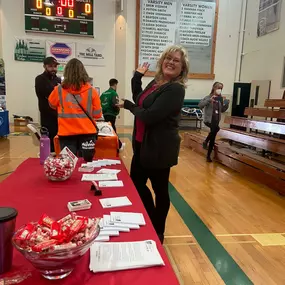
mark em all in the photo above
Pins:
pixel 196 23
pixel 70 154
pixel 127 218
pixel 123 256
pixel 110 184
pixel 63 52
pixel 115 202
pixel 99 177
pixel 107 171
pixel 91 54
pixel 158 27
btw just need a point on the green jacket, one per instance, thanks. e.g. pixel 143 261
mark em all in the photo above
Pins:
pixel 109 99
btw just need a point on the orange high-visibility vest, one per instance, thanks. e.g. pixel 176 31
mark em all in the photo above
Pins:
pixel 71 118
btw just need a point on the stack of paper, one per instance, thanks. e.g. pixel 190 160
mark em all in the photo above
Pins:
pixel 115 202
pixel 106 257
pixel 99 177
pixel 128 218
pixel 102 162
pixel 105 179
pixel 110 184
pixel 106 171
pixel 109 226
pixel 108 176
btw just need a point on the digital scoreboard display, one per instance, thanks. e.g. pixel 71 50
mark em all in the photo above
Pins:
pixel 70 17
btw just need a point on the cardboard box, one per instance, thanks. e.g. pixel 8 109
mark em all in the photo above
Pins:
pixel 21 122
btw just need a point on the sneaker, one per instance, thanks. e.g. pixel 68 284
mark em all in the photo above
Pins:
pixel 205 145
pixel 122 147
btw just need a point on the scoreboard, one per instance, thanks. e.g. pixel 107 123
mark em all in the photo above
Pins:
pixel 70 17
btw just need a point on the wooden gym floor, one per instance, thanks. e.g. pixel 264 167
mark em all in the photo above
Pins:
pixel 221 229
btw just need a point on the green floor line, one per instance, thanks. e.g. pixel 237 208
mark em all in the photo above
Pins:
pixel 224 264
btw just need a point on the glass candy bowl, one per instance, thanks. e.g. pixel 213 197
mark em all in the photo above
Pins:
pixel 57 264
pixel 58 168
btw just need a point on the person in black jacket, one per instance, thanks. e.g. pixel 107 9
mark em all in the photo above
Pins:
pixel 156 141
pixel 44 85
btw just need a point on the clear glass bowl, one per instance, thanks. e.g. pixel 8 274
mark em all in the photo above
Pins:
pixel 58 168
pixel 58 264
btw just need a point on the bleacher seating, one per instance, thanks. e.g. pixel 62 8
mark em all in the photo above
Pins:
pixel 255 152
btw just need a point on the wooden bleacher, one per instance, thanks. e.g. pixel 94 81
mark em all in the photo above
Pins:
pixel 279 103
pixel 256 152
pixel 265 113
pixel 266 126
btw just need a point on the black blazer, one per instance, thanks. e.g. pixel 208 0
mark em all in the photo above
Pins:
pixel 161 114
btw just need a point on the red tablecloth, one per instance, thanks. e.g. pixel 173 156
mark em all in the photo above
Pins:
pixel 29 191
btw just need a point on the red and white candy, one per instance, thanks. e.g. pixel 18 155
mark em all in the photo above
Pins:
pixel 49 235
pixel 58 168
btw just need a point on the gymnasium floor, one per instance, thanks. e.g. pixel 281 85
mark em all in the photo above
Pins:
pixel 221 229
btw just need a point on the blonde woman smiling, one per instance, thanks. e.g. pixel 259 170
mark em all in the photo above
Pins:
pixel 156 141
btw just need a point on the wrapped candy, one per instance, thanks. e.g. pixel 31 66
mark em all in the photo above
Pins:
pixel 49 235
pixel 58 168
pixel 69 245
pixel 45 245
pixel 46 221
pixel 65 219
pixel 75 227
pixel 56 231
pixel 26 233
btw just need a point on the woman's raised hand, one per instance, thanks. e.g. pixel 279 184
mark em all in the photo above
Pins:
pixel 143 68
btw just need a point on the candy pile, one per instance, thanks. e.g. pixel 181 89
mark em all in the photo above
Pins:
pixel 58 168
pixel 49 235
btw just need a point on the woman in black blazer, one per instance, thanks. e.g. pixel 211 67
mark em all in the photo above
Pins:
pixel 156 141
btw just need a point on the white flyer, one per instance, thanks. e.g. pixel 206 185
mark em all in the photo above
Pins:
pixel 128 218
pixel 110 184
pixel 99 177
pixel 70 154
pixel 106 224
pixel 110 233
pixel 106 257
pixel 107 171
pixel 102 238
pixel 115 202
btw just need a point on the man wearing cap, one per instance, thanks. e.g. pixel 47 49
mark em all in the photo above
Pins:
pixel 44 85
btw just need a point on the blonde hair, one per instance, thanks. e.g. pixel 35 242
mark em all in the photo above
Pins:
pixel 183 77
pixel 75 75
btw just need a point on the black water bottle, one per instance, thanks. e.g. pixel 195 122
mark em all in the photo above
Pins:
pixel 7 229
pixel 88 150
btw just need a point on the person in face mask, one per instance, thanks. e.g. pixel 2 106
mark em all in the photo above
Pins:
pixel 44 85
pixel 213 105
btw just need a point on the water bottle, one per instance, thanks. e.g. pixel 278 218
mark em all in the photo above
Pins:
pixel 88 150
pixel 44 145
pixel 7 229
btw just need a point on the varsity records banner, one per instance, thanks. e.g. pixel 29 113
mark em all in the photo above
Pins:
pixel 33 50
pixel 63 52
pixel 90 54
